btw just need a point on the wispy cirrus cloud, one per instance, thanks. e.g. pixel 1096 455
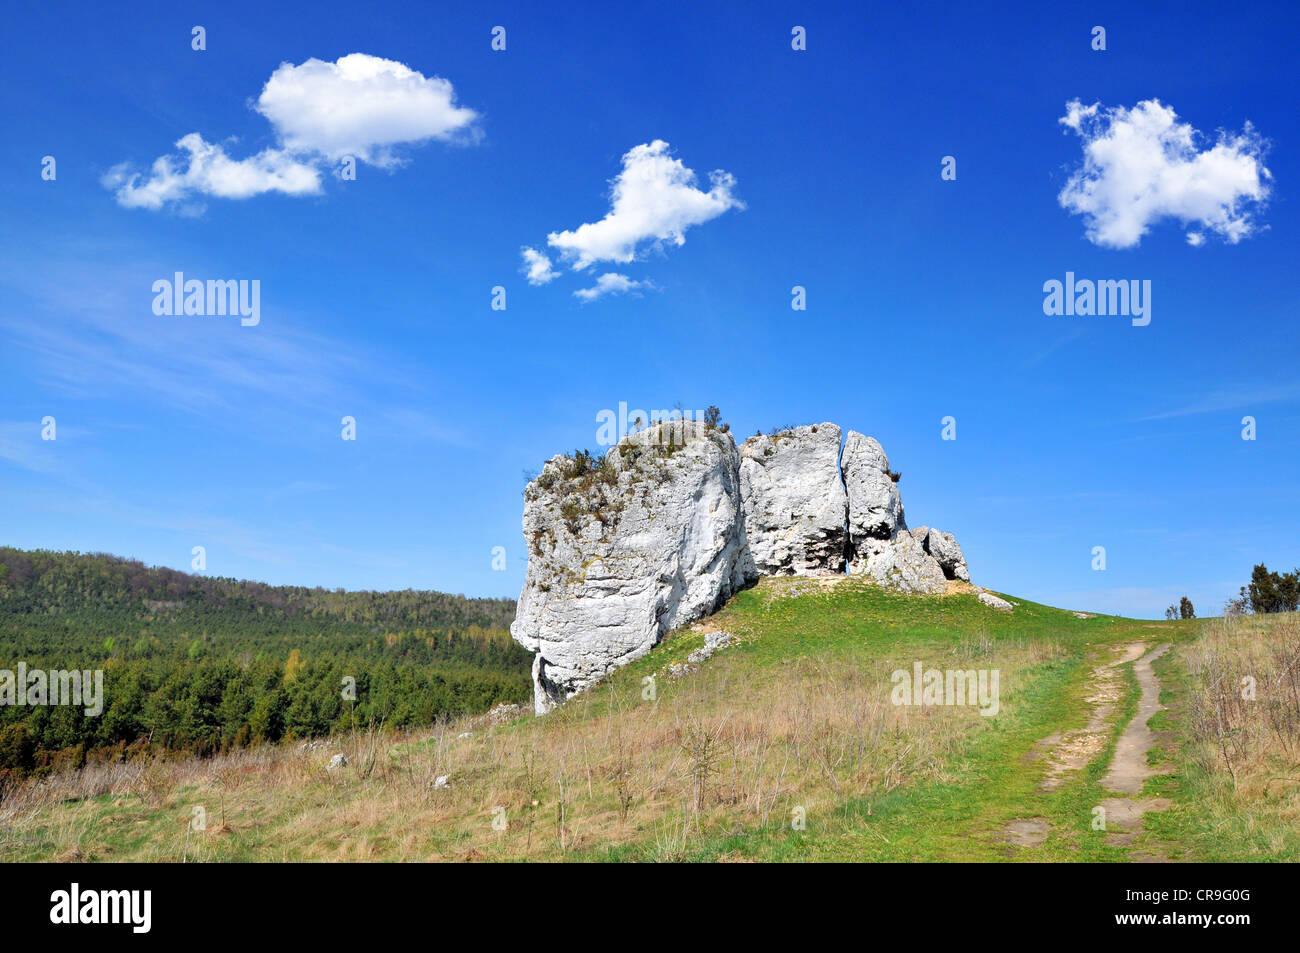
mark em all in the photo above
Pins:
pixel 109 344
pixel 612 283
pixel 21 445
pixel 1241 398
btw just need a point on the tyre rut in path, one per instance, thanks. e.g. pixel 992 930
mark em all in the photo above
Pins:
pixel 1070 751
pixel 1129 769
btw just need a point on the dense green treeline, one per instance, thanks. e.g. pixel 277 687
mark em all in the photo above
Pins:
pixel 199 664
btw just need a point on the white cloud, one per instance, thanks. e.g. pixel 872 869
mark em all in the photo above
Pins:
pixel 654 199
pixel 612 283
pixel 537 266
pixel 203 168
pixel 1141 165
pixel 361 106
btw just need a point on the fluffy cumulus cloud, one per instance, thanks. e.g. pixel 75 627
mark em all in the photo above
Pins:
pixel 538 267
pixel 361 106
pixel 203 168
pixel 612 283
pixel 653 200
pixel 1141 165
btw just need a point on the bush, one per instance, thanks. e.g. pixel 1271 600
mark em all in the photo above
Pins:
pixel 1273 592
pixel 583 463
pixel 1239 605
pixel 571 511
pixel 16 750
pixel 712 419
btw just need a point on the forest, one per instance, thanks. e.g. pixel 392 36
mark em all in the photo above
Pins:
pixel 200 664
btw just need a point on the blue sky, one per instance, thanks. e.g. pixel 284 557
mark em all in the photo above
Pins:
pixel 924 296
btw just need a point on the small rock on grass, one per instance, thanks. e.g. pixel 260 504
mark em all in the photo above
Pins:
pixel 993 602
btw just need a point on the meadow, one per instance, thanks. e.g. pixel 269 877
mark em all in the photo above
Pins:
pixel 784 746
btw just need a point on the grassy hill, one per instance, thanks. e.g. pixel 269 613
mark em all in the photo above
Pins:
pixel 785 745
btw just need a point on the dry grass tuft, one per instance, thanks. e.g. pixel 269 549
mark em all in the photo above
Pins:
pixel 1245 711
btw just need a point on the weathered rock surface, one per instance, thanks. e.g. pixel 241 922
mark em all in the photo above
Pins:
pixel 901 563
pixel 675 519
pixel 875 507
pixel 879 543
pixel 943 547
pixel 794 501
pixel 650 539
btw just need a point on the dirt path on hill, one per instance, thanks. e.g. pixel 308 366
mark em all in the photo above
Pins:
pixel 1129 770
pixel 1066 753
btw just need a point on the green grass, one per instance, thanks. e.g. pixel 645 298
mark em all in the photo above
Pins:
pixel 880 630
pixel 937 785
pixel 1213 819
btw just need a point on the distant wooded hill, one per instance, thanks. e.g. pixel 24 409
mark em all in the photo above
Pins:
pixel 201 663
pixel 43 579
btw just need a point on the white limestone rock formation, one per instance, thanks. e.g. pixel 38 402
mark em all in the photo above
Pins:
pixel 675 519
pixel 626 549
pixel 795 505
pixel 879 544
pixel 875 507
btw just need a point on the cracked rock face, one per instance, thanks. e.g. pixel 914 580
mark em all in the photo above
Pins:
pixel 901 563
pixel 795 505
pixel 675 519
pixel 875 507
pixel 626 552
pixel 943 547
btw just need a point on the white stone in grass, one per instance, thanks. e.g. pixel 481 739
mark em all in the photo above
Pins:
pixel 993 602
